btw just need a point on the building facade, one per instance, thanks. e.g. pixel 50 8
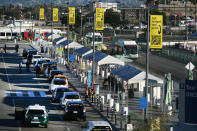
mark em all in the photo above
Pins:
pixel 133 15
pixel 105 5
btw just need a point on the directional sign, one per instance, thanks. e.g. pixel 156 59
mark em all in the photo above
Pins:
pixel 55 14
pixel 99 23
pixel 72 15
pixel 41 13
pixel 143 103
pixel 189 66
pixel 156 31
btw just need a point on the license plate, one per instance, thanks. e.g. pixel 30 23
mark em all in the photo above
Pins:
pixel 75 112
pixel 35 118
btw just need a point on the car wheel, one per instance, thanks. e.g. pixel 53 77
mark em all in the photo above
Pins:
pixel 46 126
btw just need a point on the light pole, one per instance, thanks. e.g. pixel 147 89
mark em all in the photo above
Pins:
pixel 68 35
pixel 81 31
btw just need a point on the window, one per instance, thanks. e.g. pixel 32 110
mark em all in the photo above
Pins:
pixel 72 97
pixel 8 34
pixel 2 33
pixel 101 128
pixel 35 112
pixel 58 82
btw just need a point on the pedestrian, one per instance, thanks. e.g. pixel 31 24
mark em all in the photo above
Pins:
pixel 37 71
pixel 27 65
pixel 1 49
pixel 20 67
pixel 5 48
pixel 16 48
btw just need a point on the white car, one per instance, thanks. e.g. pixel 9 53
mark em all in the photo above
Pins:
pixel 57 83
pixel 96 125
pixel 69 96
pixel 39 63
pixel 35 58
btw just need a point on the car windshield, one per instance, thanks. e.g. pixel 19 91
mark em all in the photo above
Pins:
pixel 63 90
pixel 37 56
pixel 58 82
pixel 40 62
pixel 101 128
pixel 72 97
pixel 35 112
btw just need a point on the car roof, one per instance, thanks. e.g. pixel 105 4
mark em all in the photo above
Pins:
pixel 62 87
pixel 71 93
pixel 99 123
pixel 58 79
pixel 55 70
pixel 36 107
pixel 36 55
pixel 74 102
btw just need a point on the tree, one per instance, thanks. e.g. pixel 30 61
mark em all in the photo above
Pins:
pixel 194 2
pixel 112 18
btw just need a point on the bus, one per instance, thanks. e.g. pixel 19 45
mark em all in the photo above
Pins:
pixel 128 48
pixel 8 34
pixel 97 40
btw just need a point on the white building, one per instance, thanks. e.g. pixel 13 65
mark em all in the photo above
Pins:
pixel 106 5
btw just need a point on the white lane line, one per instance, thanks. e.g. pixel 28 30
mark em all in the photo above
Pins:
pixel 31 94
pixel 42 93
pixel 13 102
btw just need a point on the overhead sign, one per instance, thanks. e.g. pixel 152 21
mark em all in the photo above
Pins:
pixel 71 15
pixel 41 13
pixel 156 31
pixel 99 20
pixel 189 66
pixel 55 14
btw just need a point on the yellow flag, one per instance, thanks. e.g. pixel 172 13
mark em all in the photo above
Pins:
pixel 156 31
pixel 99 20
pixel 41 13
pixel 55 14
pixel 72 15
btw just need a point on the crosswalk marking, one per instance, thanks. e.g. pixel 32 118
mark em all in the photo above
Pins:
pixel 20 93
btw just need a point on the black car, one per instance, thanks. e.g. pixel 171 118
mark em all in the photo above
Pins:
pixel 58 93
pixel 75 110
pixel 32 52
pixel 53 73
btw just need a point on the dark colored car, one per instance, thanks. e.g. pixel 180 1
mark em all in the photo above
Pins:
pixel 58 93
pixel 74 110
pixel 53 73
pixel 32 51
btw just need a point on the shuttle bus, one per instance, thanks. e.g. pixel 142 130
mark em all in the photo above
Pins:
pixel 98 38
pixel 128 48
pixel 8 34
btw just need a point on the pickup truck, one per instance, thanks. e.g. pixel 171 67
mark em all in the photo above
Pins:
pixel 32 115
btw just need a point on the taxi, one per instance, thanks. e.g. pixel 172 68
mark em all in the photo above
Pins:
pixel 61 77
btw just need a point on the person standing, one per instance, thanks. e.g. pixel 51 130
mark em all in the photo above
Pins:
pixel 16 48
pixel 27 65
pixel 5 48
pixel 20 67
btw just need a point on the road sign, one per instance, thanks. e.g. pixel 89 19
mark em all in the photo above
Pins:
pixel 99 20
pixel 71 57
pixel 125 85
pixel 156 31
pixel 143 103
pixel 189 66
pixel 55 14
pixel 71 15
pixel 41 13
pixel 155 124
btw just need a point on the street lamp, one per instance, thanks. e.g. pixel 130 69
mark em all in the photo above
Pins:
pixel 81 31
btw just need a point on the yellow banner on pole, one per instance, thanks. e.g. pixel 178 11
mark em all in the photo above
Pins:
pixel 99 20
pixel 71 15
pixel 156 31
pixel 41 13
pixel 55 14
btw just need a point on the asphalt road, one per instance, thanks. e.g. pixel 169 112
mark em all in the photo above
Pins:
pixel 160 66
pixel 22 89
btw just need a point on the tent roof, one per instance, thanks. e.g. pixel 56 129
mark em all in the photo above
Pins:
pixel 126 72
pixel 82 50
pixel 57 39
pixel 72 44
pixel 48 34
pixel 132 74
pixel 102 58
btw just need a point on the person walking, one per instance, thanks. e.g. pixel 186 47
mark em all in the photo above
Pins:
pixel 16 48
pixel 20 67
pixel 27 65
pixel 5 48
pixel 37 71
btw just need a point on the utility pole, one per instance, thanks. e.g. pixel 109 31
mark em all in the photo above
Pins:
pixel 147 62
pixel 52 51
pixel 81 32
